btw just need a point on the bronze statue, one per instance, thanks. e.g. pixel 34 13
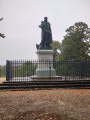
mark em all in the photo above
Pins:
pixel 46 36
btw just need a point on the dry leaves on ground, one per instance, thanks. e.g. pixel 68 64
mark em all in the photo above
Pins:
pixel 61 104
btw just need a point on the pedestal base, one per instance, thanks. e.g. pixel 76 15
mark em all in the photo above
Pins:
pixel 45 64
pixel 46 78
pixel 45 72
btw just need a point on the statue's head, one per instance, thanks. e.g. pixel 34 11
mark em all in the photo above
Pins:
pixel 45 18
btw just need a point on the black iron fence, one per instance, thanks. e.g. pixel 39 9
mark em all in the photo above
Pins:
pixel 65 70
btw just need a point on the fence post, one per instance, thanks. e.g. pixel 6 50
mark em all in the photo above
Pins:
pixel 7 70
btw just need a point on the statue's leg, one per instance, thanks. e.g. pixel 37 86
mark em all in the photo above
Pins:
pixel 45 39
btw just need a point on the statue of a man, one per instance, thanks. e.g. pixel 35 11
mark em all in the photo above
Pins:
pixel 46 35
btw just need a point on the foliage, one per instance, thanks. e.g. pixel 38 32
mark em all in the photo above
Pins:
pixel 1 19
pixel 27 69
pixel 74 47
pixel 2 35
pixel 56 46
pixel 76 42
pixel 72 68
pixel 2 71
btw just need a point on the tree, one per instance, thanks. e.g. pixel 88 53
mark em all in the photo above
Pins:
pixel 56 46
pixel 76 42
pixel 26 69
pixel 2 35
pixel 2 71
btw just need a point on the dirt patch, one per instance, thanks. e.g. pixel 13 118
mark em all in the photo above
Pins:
pixel 40 115
pixel 61 104
pixel 2 79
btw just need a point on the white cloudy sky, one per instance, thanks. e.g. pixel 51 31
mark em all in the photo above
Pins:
pixel 22 18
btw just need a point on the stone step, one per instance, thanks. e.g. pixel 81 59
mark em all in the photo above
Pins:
pixel 44 86
pixel 45 82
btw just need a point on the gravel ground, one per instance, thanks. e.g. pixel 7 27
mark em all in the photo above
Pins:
pixel 60 104
pixel 2 79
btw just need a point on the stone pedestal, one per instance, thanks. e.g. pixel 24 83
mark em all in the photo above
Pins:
pixel 45 63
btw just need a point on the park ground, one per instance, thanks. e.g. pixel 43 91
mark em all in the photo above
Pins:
pixel 55 104
pixel 2 79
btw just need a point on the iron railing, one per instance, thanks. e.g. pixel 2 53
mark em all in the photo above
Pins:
pixel 23 70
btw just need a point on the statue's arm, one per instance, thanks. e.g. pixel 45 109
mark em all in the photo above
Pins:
pixel 42 25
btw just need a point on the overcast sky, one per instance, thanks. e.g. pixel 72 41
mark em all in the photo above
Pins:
pixel 22 18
